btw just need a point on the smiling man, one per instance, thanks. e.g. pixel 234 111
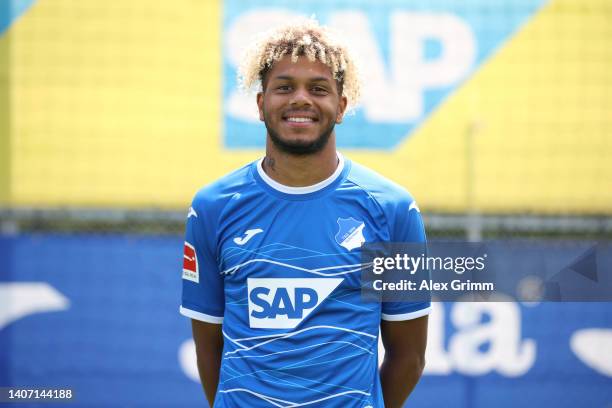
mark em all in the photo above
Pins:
pixel 272 265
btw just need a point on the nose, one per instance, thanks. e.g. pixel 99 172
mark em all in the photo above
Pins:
pixel 300 97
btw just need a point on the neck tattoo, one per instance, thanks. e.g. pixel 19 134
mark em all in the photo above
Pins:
pixel 269 163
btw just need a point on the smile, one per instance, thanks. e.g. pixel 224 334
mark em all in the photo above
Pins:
pixel 299 120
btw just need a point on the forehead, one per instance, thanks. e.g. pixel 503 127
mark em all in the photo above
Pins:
pixel 303 68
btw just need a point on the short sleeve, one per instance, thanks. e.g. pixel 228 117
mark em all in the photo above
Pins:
pixel 203 296
pixel 406 226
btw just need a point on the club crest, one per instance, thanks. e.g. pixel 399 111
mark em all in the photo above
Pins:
pixel 350 233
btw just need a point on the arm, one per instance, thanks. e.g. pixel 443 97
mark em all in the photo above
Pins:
pixel 209 346
pixel 405 343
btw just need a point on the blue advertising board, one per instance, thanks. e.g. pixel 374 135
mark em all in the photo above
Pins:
pixel 99 314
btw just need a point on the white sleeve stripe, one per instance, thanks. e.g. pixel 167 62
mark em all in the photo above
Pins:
pixel 406 316
pixel 201 316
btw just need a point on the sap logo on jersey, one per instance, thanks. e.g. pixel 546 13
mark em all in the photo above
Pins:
pixel 284 303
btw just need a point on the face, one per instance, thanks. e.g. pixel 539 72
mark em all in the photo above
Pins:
pixel 300 105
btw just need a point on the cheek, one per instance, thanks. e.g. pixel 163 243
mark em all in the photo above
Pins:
pixel 337 113
pixel 269 106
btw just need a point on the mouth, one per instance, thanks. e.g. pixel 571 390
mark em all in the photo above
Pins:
pixel 299 119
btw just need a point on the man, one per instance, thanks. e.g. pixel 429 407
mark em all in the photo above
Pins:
pixel 271 278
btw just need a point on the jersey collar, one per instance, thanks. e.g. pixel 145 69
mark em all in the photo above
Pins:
pixel 301 192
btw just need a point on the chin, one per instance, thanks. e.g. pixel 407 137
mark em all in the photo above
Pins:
pixel 299 144
pixel 298 141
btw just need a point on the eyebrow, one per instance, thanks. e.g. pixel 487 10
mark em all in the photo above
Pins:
pixel 318 79
pixel 289 78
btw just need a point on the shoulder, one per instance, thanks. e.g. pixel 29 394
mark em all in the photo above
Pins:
pixel 214 196
pixel 387 193
pixel 395 202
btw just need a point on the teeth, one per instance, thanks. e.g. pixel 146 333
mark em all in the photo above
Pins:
pixel 299 120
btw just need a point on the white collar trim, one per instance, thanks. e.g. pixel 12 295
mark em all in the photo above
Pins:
pixel 300 190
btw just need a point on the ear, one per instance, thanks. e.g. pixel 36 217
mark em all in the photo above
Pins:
pixel 260 105
pixel 342 103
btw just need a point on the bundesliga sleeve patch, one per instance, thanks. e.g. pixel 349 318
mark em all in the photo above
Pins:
pixel 190 264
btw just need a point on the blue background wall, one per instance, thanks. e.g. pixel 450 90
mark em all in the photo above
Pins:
pixel 117 343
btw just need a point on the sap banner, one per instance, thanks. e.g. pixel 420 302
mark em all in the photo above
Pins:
pixel 412 58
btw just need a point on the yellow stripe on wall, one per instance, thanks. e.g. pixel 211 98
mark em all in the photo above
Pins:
pixel 539 115
pixel 5 122
pixel 119 104
pixel 116 103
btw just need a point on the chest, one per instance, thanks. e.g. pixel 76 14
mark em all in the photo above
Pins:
pixel 283 260
pixel 272 238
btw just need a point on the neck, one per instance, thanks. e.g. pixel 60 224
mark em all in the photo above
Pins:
pixel 300 171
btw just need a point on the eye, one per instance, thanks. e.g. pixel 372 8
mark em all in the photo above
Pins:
pixel 283 88
pixel 319 90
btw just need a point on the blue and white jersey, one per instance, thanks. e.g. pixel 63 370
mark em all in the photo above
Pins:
pixel 279 267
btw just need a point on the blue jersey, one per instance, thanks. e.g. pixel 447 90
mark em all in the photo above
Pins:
pixel 279 267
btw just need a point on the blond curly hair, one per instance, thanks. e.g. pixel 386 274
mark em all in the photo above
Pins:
pixel 304 37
